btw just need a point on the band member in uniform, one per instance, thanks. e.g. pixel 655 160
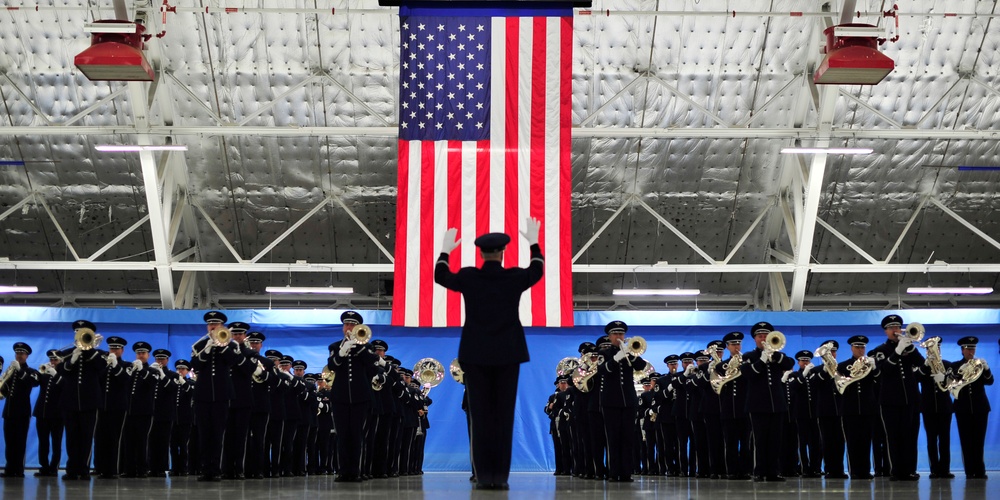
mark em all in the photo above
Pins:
pixel 561 414
pixel 766 402
pixel 265 383
pixel 17 410
pixel 619 400
pixel 972 411
pixel 802 410
pixel 899 398
pixel 936 410
pixel 115 385
pixel 48 416
pixel 735 424
pixel 711 413
pixel 828 412
pixel 580 423
pixel 213 392
pixel 356 368
pixel 687 449
pixel 164 414
pixel 860 405
pixel 181 435
pixel 648 464
pixel 139 420
pixel 381 420
pixel 666 420
pixel 491 295
pixel 272 460
pixel 598 440
pixel 238 416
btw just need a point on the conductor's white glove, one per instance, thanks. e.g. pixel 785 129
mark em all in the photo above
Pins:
pixel 136 365
pixel 112 360
pixel 345 347
pixel 784 377
pixel 904 342
pixel 809 366
pixel 531 229
pixel 938 377
pixel 450 240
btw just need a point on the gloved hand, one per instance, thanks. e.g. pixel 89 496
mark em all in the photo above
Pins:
pixel 450 240
pixel 76 354
pixel 15 365
pixel 181 380
pixel 689 370
pixel 208 346
pixel 809 367
pixel 904 342
pixel 136 365
pixel 321 405
pixel 784 376
pixel 258 370
pixel 620 355
pixel 670 388
pixel 346 346
pixel 985 366
pixel 938 377
pixel 157 370
pixel 531 229
pixel 381 361
pixel 767 356
pixel 287 375
pixel 47 369
pixel 112 360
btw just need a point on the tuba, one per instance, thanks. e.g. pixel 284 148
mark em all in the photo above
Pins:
pixel 638 375
pixel 933 347
pixel 567 365
pixel 968 373
pixel 635 346
pixel 429 372
pixel 361 334
pixel 456 371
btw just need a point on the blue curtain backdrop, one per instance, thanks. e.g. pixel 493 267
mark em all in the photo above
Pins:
pixel 306 334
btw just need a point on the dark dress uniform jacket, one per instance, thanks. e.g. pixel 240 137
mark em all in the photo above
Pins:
pixel 733 394
pixel 261 391
pixel 859 397
pixel 932 399
pixel 141 397
pixel 617 378
pixel 800 394
pixel 765 390
pixel 212 385
pixel 826 398
pixel 972 398
pixel 242 375
pixel 47 404
pixel 116 384
pixel 185 407
pixel 898 381
pixel 165 396
pixel 354 372
pixel 83 390
pixel 18 392
pixel 492 295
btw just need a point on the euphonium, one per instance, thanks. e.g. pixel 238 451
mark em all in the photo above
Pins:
pixel 456 371
pixel 732 371
pixel 428 371
pixel 968 373
pixel 361 334
pixel 934 362
pixel 859 369
pixel 588 368
pixel 567 365
pixel 635 346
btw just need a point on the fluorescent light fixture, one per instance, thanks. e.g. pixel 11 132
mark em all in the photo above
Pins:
pixel 310 289
pixel 18 289
pixel 950 290
pixel 133 148
pixel 656 291
pixel 831 151
pixel 859 31
pixel 110 27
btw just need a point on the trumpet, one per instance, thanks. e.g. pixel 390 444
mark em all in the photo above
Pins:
pixel 456 371
pixel 429 372
pixel 361 334
pixel 915 331
pixel 635 346
pixel 221 336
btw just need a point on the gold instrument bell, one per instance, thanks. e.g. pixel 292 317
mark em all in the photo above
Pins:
pixel 361 334
pixel 429 372
pixel 635 346
pixel 221 336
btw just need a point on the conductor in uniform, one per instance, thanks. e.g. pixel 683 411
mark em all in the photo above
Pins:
pixel 492 326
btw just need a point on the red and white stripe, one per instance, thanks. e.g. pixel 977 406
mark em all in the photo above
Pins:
pixel 522 171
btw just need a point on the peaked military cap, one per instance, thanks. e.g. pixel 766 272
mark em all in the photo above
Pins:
pixel 182 363
pixel 238 327
pixel 298 363
pixel 214 317
pixel 615 326
pixel 673 358
pixel 379 343
pixel 161 353
pixel 116 342
pixel 733 337
pixel 351 317
pixel 892 320
pixel 968 341
pixel 804 355
pixel 255 337
pixel 141 347
pixel 761 327
pixel 858 340
pixel 492 242
pixel 82 323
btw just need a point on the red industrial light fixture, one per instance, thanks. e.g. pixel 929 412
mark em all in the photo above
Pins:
pixel 852 56
pixel 115 54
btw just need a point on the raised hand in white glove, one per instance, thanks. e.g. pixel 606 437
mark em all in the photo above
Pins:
pixel 620 355
pixel 346 346
pixel 381 361
pixel 15 365
pixel 689 370
pixel 287 375
pixel 904 342
pixel 531 229
pixel 938 377
pixel 112 360
pixel 136 365
pixel 808 368
pixel 76 354
pixel 450 240
pixel 784 376
pixel 259 370
pixel 157 369
pixel 985 365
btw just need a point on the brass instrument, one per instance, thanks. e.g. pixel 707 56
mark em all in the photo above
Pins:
pixel 638 375
pixel 915 331
pixel 858 370
pixel 328 375
pixel 731 368
pixel 86 339
pixel 934 362
pixel 774 342
pixel 4 378
pixel 361 334
pixel 456 371
pixel 221 336
pixel 588 368
pixel 968 373
pixel 635 346
pixel 429 372
pixel 567 365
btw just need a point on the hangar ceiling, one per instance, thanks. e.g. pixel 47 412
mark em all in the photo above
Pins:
pixel 289 111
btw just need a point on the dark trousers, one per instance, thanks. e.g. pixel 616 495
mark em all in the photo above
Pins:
pixel 790 466
pixel 858 434
pixel 272 450
pixel 702 458
pixel 107 445
pixel 80 427
pixel 136 441
pixel 406 449
pixel 557 449
pixel 395 442
pixel 15 435
pixel 668 448
pixel 299 448
pixel 324 438
pixel 50 433
pixel 312 450
pixel 972 435
pixel 619 426
pixel 350 422
pixel 902 428
pixel 179 439
pixel 368 455
pixel 687 460
pixel 583 453
pixel 288 447
pixel 159 446
pixel 832 432
pixel 211 415
pixel 937 427
pixel 650 463
pixel 492 393
pixel 418 462
pixel 565 447
pixel 256 456
pixel 767 435
pixel 598 443
pixel 716 445
pixel 736 433
pixel 380 454
pixel 234 446
pixel 880 454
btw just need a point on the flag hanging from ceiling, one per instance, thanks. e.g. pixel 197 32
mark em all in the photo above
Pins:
pixel 484 143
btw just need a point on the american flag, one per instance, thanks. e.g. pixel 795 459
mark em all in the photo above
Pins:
pixel 484 143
